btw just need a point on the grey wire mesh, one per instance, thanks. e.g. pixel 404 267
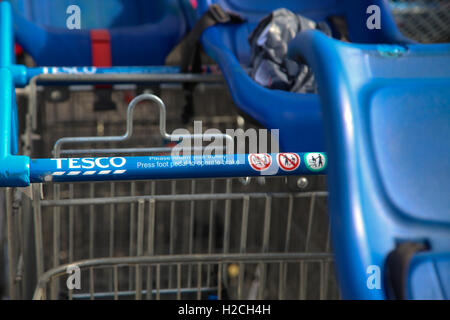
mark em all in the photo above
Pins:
pixel 426 21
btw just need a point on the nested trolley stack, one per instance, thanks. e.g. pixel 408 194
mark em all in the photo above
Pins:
pixel 220 230
pixel 224 238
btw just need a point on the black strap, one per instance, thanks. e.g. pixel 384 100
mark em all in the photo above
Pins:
pixel 191 54
pixel 397 268
pixel 339 27
pixel 190 43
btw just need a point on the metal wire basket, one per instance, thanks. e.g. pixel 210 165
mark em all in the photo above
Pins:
pixel 253 238
pixel 426 21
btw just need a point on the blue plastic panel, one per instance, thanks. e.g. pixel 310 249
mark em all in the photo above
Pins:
pixel 429 276
pixel 6 36
pixel 386 110
pixel 258 7
pixel 404 117
pixel 96 14
pixel 142 32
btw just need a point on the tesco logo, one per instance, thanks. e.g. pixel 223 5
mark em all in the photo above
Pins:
pixel 90 163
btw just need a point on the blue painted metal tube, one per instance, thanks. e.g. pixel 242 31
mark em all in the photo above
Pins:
pixel 32 72
pixel 6 35
pixel 167 167
pixel 6 99
pixel 14 170
pixel 14 125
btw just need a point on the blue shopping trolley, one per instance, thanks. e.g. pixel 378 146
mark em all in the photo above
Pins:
pixel 298 114
pixel 60 209
pixel 136 33
pixel 388 218
pixel 386 113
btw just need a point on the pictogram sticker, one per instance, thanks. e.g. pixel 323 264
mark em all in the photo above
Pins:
pixel 288 161
pixel 315 161
pixel 259 161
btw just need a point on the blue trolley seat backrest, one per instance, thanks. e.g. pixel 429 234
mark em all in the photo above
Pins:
pixel 298 116
pixel 386 114
pixel 141 32
pixel 235 37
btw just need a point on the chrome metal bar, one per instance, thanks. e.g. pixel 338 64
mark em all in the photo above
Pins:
pixel 140 247
pixel 325 267
pixel 126 78
pixel 178 260
pixel 281 280
pixel 283 266
pixel 108 295
pixel 158 282
pixel 91 283
pixel 91 239
pixel 267 216
pixel 191 232
pixel 172 231
pixel 132 239
pixel 31 90
pixel 219 281
pixel 151 228
pixel 129 150
pixel 227 231
pixel 56 238
pixel 178 281
pixel 244 226
pixel 265 246
pixel 186 258
pixel 243 246
pixel 151 242
pixel 129 128
pixel 71 225
pixel 112 214
pixel 91 222
pixel 289 223
pixel 149 282
pixel 199 280
pixel 38 229
pixel 178 197
pixel 310 222
pixel 10 235
pixel 138 283
pixel 116 282
pixel 303 266
pixel 210 232
pixel 18 212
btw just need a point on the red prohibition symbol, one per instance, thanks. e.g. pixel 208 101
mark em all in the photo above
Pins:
pixel 288 161
pixel 259 161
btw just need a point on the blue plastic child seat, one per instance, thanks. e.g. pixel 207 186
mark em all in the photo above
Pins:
pixel 298 116
pixel 387 114
pixel 429 276
pixel 142 32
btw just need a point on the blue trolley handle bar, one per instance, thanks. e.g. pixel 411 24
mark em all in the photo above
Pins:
pixel 169 167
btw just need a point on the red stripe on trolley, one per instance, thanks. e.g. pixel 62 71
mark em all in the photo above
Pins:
pixel 101 48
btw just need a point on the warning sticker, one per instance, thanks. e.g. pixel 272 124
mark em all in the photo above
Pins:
pixel 288 161
pixel 259 161
pixel 315 161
